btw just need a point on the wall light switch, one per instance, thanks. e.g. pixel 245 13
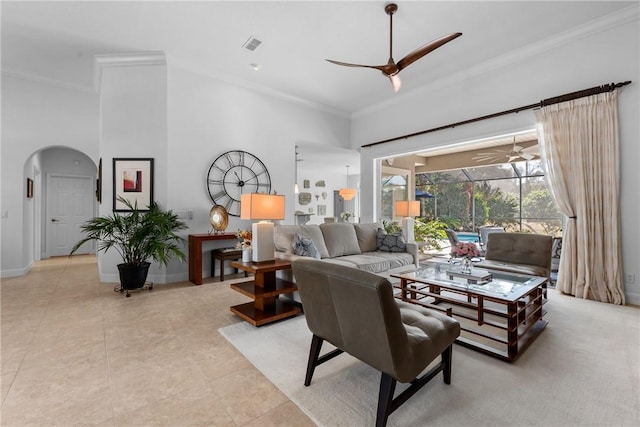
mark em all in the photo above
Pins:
pixel 4 214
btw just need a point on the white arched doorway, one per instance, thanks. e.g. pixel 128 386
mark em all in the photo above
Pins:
pixel 64 182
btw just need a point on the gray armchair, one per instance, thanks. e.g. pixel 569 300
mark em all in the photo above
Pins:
pixel 356 312
pixel 524 253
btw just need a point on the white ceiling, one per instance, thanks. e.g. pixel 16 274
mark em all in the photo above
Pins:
pixel 57 40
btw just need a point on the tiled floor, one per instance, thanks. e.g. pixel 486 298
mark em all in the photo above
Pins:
pixel 74 352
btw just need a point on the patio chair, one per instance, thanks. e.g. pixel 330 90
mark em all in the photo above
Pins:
pixel 355 311
pixel 483 235
pixel 453 238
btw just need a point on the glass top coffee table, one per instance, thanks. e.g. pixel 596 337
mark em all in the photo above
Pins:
pixel 500 313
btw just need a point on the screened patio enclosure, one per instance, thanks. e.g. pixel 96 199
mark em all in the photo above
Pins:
pixel 513 195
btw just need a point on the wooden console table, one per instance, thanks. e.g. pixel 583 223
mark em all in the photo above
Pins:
pixel 195 252
pixel 264 289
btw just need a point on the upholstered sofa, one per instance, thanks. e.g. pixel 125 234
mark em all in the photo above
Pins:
pixel 352 245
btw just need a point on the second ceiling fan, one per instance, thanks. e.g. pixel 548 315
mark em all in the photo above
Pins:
pixel 391 68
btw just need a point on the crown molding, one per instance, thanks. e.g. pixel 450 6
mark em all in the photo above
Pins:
pixel 607 22
pixel 131 59
pixel 36 78
pixel 260 89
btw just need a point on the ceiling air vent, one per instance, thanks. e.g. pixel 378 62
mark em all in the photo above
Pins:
pixel 252 43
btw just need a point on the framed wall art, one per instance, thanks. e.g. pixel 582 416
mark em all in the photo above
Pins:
pixel 99 182
pixel 29 188
pixel 133 181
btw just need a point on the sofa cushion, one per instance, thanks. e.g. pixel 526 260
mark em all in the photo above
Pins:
pixel 530 270
pixel 304 246
pixel 340 239
pixel 393 242
pixel 283 238
pixel 367 236
pixel 378 261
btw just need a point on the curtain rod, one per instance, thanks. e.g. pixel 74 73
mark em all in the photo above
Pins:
pixel 549 101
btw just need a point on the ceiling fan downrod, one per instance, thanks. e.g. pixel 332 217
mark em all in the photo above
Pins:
pixel 390 9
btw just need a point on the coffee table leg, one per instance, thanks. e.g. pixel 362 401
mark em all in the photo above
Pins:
pixel 512 332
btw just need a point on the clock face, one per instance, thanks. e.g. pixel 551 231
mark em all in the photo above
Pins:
pixel 235 173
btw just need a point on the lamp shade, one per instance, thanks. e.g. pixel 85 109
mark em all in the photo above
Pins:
pixel 410 208
pixel 262 206
pixel 347 193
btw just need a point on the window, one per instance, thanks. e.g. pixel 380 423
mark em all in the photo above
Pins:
pixel 513 195
pixel 394 188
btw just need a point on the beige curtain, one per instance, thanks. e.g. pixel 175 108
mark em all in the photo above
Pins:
pixel 579 145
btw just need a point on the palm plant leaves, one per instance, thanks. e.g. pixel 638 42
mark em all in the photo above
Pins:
pixel 137 236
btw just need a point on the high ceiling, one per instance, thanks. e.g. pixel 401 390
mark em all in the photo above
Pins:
pixel 56 41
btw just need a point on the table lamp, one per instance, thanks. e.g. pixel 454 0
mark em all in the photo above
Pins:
pixel 408 209
pixel 262 207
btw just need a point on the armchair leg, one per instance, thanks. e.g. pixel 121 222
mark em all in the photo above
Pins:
pixel 315 359
pixel 447 358
pixel 314 351
pixel 385 399
pixel 387 404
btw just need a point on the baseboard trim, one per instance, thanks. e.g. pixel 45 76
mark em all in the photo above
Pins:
pixel 17 272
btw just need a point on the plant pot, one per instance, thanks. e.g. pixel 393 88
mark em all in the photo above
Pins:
pixel 133 276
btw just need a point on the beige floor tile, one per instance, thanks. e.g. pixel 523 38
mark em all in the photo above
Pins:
pixel 202 409
pixel 247 395
pixel 62 392
pixel 74 352
pixel 156 380
pixel 284 415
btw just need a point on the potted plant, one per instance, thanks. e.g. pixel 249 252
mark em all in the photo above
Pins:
pixel 138 236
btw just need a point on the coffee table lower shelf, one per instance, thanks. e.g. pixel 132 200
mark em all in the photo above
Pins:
pixel 257 317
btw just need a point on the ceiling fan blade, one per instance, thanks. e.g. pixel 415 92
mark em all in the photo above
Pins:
pixel 396 83
pixel 533 150
pixel 527 156
pixel 427 48
pixel 346 64
pixel 488 159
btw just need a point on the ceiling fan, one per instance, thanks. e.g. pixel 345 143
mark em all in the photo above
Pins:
pixel 516 152
pixel 391 68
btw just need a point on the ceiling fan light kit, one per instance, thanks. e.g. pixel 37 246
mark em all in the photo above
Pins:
pixel 391 69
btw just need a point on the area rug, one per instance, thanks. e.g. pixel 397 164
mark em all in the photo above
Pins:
pixel 582 370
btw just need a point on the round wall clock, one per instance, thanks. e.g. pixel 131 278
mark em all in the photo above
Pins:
pixel 234 173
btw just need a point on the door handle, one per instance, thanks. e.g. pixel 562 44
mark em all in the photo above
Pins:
pixel 55 220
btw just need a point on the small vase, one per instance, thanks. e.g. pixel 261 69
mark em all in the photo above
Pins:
pixel 466 266
pixel 246 255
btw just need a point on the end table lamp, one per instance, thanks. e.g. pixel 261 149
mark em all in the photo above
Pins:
pixel 408 209
pixel 263 207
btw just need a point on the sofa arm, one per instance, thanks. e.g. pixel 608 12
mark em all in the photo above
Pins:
pixel 412 248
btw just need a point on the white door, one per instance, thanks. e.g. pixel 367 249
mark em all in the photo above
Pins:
pixel 69 204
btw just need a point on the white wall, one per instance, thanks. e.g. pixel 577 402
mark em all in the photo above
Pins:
pixel 604 55
pixel 207 117
pixel 203 117
pixel 133 124
pixel 36 115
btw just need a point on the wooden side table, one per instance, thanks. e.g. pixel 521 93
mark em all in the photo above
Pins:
pixel 264 289
pixel 195 253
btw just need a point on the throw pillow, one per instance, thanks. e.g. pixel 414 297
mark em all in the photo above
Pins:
pixel 304 246
pixel 393 242
pixel 340 238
